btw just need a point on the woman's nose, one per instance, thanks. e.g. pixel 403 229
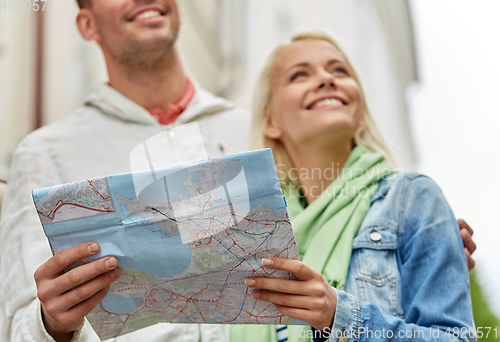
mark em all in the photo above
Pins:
pixel 326 79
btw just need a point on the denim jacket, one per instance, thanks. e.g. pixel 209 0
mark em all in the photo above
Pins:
pixel 408 276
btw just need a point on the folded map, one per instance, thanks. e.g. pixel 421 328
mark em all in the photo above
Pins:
pixel 186 237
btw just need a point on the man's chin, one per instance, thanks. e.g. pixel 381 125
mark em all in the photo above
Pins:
pixel 154 44
pixel 151 36
pixel 144 54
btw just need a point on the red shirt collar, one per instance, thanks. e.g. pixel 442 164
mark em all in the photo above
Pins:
pixel 176 109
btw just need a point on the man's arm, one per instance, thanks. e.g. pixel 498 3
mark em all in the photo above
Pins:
pixel 24 247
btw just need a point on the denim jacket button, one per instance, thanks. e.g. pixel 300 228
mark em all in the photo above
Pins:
pixel 343 337
pixel 375 236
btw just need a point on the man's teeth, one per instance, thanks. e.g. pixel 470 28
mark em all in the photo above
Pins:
pixel 327 102
pixel 148 14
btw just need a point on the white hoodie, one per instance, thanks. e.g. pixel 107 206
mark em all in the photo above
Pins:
pixel 94 141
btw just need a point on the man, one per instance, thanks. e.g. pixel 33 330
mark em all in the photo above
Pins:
pixel 137 38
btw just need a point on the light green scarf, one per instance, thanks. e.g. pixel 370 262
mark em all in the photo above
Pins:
pixel 329 224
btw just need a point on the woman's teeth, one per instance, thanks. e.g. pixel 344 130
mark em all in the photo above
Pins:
pixel 148 14
pixel 327 102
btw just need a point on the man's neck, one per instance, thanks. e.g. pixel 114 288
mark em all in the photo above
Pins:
pixel 160 87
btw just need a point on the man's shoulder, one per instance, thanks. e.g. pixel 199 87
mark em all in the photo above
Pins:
pixel 66 126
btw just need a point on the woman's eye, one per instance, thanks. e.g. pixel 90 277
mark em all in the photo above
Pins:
pixel 297 75
pixel 340 70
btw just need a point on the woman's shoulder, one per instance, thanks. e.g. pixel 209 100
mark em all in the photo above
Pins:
pixel 418 204
pixel 406 197
pixel 407 183
pixel 401 178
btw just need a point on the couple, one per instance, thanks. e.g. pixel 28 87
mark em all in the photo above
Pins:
pixel 381 251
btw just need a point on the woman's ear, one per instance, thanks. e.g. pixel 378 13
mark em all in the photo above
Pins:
pixel 272 129
pixel 86 25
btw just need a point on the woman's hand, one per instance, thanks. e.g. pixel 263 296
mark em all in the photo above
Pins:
pixel 310 298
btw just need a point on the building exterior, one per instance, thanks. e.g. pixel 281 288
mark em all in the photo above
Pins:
pixel 47 68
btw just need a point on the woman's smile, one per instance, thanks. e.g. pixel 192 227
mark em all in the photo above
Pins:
pixel 327 102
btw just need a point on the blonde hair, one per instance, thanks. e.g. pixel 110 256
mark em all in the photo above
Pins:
pixel 367 135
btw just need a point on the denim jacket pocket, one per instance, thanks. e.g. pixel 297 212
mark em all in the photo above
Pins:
pixel 377 275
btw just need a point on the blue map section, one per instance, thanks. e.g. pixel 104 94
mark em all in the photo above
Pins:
pixel 40 193
pixel 142 239
pixel 121 305
pixel 260 175
pixel 100 228
pixel 249 179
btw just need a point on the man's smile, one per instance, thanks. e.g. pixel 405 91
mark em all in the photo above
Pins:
pixel 148 14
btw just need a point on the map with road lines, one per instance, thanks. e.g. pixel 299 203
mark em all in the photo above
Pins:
pixel 185 243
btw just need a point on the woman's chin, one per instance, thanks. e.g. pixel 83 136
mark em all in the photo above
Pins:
pixel 332 137
pixel 339 126
pixel 333 120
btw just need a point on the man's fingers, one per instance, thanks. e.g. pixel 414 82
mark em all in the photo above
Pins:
pixel 84 273
pixel 59 310
pixel 55 265
pixel 301 270
pixel 88 305
pixel 463 225
pixel 72 319
pixel 61 303
pixel 469 245
pixel 85 291
pixel 467 239
pixel 470 262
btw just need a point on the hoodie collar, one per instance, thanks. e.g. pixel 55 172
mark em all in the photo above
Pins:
pixel 113 103
pixel 203 103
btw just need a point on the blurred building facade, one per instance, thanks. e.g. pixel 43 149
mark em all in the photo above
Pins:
pixel 223 43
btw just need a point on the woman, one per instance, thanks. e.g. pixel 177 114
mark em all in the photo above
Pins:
pixel 381 252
